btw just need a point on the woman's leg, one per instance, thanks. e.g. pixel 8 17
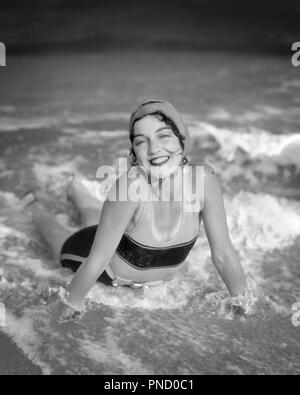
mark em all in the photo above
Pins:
pixel 52 231
pixel 88 206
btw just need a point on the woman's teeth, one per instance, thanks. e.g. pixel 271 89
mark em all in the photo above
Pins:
pixel 159 161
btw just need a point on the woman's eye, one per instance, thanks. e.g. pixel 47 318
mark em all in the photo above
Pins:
pixel 137 143
pixel 165 136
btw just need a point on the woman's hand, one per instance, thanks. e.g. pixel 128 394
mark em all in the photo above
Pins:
pixel 241 305
pixel 233 308
pixel 64 313
pixel 238 306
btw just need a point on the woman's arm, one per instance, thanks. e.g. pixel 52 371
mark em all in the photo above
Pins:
pixel 224 256
pixel 114 219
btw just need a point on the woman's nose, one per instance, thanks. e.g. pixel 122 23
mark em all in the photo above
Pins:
pixel 153 147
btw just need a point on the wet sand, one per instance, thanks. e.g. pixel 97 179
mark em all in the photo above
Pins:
pixel 13 361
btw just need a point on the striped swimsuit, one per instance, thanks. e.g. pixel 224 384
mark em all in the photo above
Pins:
pixel 141 249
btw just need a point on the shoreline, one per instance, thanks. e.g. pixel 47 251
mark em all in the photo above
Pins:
pixel 13 361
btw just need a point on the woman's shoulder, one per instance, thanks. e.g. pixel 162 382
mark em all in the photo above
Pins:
pixel 212 183
pixel 131 186
pixel 203 164
pixel 203 169
pixel 207 177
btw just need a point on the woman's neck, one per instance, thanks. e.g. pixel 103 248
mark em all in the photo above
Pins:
pixel 169 188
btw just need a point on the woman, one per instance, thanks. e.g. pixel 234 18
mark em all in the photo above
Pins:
pixel 140 241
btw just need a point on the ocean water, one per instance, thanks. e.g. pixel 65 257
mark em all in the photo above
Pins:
pixel 66 114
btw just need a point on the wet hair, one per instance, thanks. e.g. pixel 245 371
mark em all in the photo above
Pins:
pixel 161 117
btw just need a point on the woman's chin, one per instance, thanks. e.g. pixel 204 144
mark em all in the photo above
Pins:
pixel 160 172
pixel 164 171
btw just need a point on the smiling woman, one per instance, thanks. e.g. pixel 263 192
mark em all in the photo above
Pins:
pixel 138 243
pixel 165 128
pixel 161 149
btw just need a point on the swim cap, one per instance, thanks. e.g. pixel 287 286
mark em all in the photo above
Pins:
pixel 155 105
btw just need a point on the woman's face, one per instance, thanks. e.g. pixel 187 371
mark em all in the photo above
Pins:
pixel 156 147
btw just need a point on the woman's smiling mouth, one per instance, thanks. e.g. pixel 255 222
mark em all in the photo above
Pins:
pixel 159 161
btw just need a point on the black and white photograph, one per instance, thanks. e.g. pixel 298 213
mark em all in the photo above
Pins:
pixel 149 190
